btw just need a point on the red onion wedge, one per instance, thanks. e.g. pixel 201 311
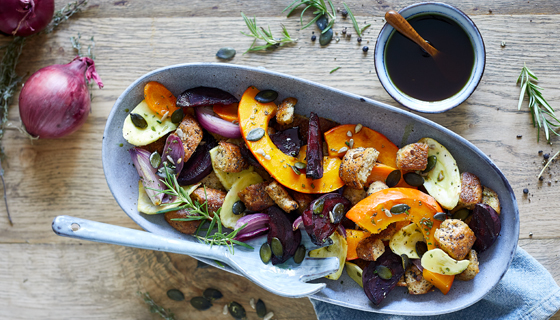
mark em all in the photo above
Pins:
pixel 209 121
pixel 257 224
pixel 298 224
pixel 25 17
pixel 173 153
pixel 340 229
pixel 148 174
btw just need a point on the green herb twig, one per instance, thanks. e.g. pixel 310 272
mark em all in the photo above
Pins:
pixel 260 33
pixel 320 9
pixel 155 308
pixel 333 70
pixel 540 108
pixel 77 45
pixel 354 22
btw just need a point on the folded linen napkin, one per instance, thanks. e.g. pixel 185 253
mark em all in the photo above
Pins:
pixel 527 291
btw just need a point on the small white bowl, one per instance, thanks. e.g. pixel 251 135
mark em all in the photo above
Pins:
pixel 479 58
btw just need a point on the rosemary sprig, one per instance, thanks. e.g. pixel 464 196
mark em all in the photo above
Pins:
pixel 155 308
pixel 354 22
pixel 320 10
pixel 77 45
pixel 333 70
pixel 540 108
pixel 260 33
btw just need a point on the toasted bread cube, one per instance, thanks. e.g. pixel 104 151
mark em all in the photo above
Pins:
pixel 471 191
pixel 354 195
pixel 285 113
pixel 490 197
pixel 413 157
pixel 215 198
pixel 415 281
pixel 387 233
pixel 402 282
pixel 303 200
pixel 370 248
pixel 186 227
pixel 255 197
pixel 212 181
pixel 190 133
pixel 357 165
pixel 472 270
pixel 229 158
pixel 281 197
pixel 376 186
pixel 455 237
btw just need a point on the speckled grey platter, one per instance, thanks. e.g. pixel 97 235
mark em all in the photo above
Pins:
pixel 343 107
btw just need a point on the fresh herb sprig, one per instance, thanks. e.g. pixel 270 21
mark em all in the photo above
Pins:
pixel 541 111
pixel 354 22
pixel 320 9
pixel 155 308
pixel 260 33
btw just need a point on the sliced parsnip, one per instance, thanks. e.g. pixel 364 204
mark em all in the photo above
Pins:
pixel 226 178
pixel 226 214
pixel 404 241
pixel 436 260
pixel 355 272
pixel 154 130
pixel 146 206
pixel 338 249
pixel 444 180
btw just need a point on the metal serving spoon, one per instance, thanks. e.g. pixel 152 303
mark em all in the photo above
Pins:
pixel 286 280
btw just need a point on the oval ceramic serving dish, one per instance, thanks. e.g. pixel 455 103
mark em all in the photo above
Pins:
pixel 399 126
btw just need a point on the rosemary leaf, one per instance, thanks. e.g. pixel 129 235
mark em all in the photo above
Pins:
pixel 320 9
pixel 354 22
pixel 264 35
pixel 155 308
pixel 333 70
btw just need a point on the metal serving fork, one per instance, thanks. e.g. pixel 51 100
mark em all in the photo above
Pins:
pixel 288 280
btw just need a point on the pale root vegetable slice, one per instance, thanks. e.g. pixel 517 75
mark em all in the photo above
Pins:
pixel 436 260
pixel 154 130
pixel 355 272
pixel 404 241
pixel 227 178
pixel 146 206
pixel 337 249
pixel 226 214
pixel 443 182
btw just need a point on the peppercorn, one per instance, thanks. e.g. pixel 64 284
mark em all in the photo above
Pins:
pixel 313 37
pixel 359 39
pixel 541 178
pixel 519 136
pixel 525 191
pixel 540 151
pixel 343 30
pixel 546 156
pixel 365 49
pixel 344 13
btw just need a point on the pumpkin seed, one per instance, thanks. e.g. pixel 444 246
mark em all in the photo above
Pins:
pixel 400 208
pixel 441 216
pixel 265 252
pixel 383 272
pixel 432 160
pixel 236 310
pixel 300 165
pixel 261 308
pixel 300 254
pixel 337 213
pixel 405 261
pixel 212 294
pixel 461 214
pixel 226 53
pixel 238 207
pixel 296 170
pixel 421 248
pixel 201 303
pixel 276 246
pixel 326 37
pixel 393 178
pixel 322 22
pixel 413 179
pixel 138 121
pixel 318 206
pixel 255 134
pixel 440 176
pixel 266 96
pixel 155 159
pixel 177 116
pixel 269 316
pixel 176 295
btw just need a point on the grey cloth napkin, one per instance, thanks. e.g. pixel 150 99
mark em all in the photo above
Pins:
pixel 527 291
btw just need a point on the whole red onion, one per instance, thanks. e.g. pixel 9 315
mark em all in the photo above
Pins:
pixel 25 17
pixel 55 101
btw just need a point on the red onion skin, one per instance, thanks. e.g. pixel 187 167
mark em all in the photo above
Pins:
pixel 55 101
pixel 25 17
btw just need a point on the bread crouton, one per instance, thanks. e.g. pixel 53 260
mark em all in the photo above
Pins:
pixel 214 197
pixel 255 197
pixel 190 133
pixel 281 197
pixel 376 186
pixel 387 233
pixel 212 181
pixel 186 227
pixel 354 195
pixel 303 200
pixel 356 166
pixel 490 197
pixel 285 113
pixel 455 237
pixel 415 281
pixel 402 282
pixel 471 191
pixel 370 248
pixel 413 157
pixel 229 158
pixel 472 270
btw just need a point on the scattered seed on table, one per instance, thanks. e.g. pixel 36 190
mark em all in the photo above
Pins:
pixel 519 136
pixel 313 37
pixel 201 303
pixel 546 156
pixel 176 295
pixel 365 49
pixel 252 303
pixel 212 294
pixel 225 311
pixel 261 308
pixel 269 316
pixel 236 310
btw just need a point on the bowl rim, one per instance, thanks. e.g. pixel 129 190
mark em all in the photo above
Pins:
pixel 413 103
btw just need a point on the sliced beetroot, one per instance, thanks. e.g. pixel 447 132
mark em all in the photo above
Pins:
pixel 204 96
pixel 199 164
pixel 246 153
pixel 288 141
pixel 281 228
pixel 173 153
pixel 486 225
pixel 377 289
pixel 318 224
pixel 314 169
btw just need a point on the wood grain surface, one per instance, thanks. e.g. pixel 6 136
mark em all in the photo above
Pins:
pixel 48 277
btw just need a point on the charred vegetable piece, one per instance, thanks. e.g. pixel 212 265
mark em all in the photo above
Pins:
pixel 486 226
pixel 377 288
pixel 314 149
pixel 281 229
pixel 173 153
pixel 199 164
pixel 288 141
pixel 148 174
pixel 316 218
pixel 204 96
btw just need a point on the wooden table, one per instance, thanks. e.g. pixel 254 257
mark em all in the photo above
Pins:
pixel 48 277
